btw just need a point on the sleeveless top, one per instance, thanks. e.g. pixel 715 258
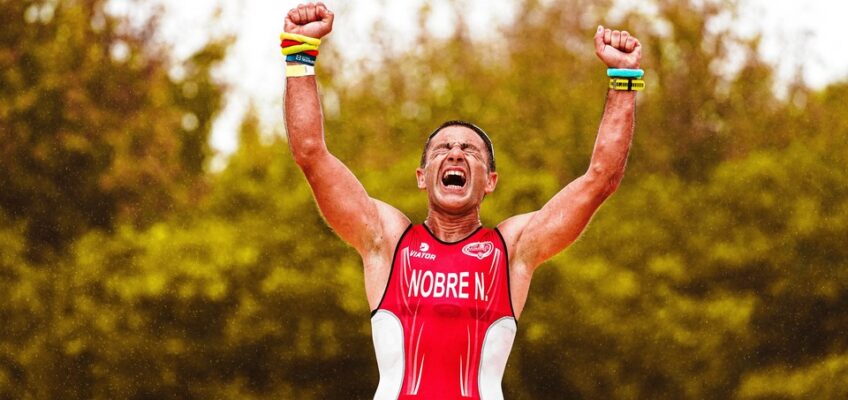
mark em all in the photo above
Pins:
pixel 445 325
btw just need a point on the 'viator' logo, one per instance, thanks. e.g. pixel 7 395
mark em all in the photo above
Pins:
pixel 423 252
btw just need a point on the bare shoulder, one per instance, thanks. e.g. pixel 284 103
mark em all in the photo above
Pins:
pixel 393 222
pixel 377 263
pixel 520 271
pixel 512 228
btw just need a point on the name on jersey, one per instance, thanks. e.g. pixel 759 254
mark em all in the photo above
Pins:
pixel 456 285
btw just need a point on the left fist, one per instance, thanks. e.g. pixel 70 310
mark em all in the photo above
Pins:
pixel 617 49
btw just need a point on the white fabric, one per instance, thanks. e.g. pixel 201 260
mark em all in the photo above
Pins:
pixel 496 347
pixel 387 332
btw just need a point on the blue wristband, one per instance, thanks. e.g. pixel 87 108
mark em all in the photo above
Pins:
pixel 625 73
pixel 301 58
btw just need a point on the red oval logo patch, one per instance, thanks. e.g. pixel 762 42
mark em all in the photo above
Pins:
pixel 480 250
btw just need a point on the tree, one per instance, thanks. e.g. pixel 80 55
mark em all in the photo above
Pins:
pixel 716 271
pixel 95 130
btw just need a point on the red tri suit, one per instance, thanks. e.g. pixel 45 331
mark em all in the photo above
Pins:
pixel 445 325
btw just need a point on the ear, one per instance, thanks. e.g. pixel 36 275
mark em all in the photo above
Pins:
pixel 491 182
pixel 419 176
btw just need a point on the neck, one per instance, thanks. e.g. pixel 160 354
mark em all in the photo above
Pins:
pixel 452 228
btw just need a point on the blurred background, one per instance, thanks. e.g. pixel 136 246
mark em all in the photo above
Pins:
pixel 158 242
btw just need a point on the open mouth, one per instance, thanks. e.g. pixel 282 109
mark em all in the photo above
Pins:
pixel 453 178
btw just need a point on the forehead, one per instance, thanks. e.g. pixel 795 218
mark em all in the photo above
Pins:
pixel 458 133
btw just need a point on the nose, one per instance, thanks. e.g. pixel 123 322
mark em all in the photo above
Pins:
pixel 456 153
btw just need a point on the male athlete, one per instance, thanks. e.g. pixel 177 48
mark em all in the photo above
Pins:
pixel 446 293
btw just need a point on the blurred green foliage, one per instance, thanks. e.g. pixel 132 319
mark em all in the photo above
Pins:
pixel 717 271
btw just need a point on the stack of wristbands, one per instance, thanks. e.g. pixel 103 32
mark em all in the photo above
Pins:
pixel 626 79
pixel 300 50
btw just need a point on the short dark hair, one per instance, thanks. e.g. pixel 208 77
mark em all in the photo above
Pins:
pixel 489 148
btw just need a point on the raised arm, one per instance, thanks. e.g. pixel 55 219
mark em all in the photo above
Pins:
pixel 369 225
pixel 537 236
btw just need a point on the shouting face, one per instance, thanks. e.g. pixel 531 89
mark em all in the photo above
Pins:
pixel 455 174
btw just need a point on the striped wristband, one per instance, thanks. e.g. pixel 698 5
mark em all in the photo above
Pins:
pixel 627 84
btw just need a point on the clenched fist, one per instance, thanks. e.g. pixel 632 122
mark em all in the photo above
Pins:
pixel 314 20
pixel 617 49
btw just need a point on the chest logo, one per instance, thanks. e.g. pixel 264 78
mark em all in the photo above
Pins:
pixel 422 252
pixel 480 250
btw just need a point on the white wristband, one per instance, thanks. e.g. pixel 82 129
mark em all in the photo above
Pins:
pixel 298 70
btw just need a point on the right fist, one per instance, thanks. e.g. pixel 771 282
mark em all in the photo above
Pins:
pixel 313 20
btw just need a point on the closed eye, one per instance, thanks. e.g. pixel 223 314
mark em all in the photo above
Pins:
pixel 439 151
pixel 465 147
pixel 468 148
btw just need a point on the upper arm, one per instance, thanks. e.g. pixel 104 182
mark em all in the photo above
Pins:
pixel 538 236
pixel 367 224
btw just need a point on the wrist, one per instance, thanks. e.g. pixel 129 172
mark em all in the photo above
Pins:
pixel 626 79
pixel 299 50
pixel 625 65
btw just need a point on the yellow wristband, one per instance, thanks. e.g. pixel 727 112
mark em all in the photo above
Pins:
pixel 627 84
pixel 298 48
pixel 300 38
pixel 298 70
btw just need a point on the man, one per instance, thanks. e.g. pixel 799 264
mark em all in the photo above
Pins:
pixel 446 293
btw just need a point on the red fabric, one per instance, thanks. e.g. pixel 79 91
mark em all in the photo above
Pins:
pixel 289 43
pixel 446 295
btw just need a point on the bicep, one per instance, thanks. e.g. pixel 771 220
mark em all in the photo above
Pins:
pixel 544 233
pixel 358 219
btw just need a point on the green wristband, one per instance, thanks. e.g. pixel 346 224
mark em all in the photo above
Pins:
pixel 625 73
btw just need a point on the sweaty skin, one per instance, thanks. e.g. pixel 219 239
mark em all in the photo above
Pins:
pixel 374 228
